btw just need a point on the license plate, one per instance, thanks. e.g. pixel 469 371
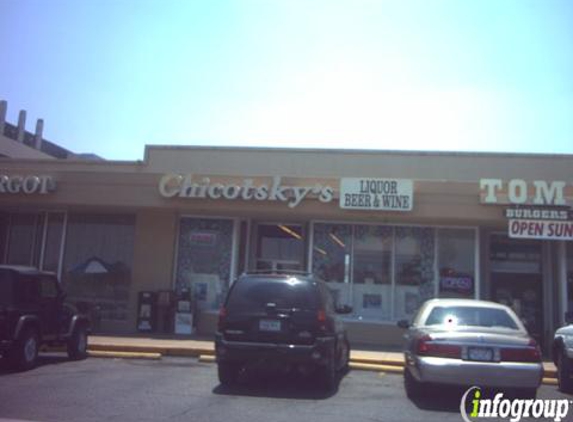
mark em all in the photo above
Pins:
pixel 480 353
pixel 269 325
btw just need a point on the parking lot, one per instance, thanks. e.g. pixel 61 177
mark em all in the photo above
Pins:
pixel 183 389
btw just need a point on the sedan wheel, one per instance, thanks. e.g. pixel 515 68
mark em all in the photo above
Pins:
pixel 564 373
pixel 412 386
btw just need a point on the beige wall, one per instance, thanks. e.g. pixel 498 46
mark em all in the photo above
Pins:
pixel 153 255
pixel 446 192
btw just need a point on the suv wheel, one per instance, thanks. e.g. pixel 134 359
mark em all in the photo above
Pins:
pixel 564 373
pixel 25 352
pixel 228 373
pixel 328 377
pixel 78 344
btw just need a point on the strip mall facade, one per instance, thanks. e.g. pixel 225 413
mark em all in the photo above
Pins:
pixel 387 230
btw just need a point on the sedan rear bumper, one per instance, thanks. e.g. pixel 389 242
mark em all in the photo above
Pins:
pixel 485 374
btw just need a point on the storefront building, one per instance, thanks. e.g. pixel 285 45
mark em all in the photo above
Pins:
pixel 386 230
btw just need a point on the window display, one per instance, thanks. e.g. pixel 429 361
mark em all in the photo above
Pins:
pixel 456 263
pixel 97 263
pixel 371 271
pixel 414 267
pixel 331 258
pixel 204 259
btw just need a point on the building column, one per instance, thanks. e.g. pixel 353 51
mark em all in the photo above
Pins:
pixel 21 125
pixel 562 280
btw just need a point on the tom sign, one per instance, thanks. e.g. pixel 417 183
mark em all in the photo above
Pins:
pixel 538 209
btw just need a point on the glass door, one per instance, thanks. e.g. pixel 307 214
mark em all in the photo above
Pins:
pixel 516 279
pixel 280 247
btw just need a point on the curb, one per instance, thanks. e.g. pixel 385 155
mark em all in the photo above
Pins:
pixel 207 355
pixel 123 355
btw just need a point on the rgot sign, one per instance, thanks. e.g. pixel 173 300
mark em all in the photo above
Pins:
pixel 31 184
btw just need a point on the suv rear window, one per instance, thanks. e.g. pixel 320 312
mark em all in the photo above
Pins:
pixel 6 281
pixel 251 294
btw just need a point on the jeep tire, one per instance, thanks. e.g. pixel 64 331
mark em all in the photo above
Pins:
pixel 78 343
pixel 24 354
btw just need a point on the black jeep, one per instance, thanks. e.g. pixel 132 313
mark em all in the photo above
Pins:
pixel 33 313
pixel 286 320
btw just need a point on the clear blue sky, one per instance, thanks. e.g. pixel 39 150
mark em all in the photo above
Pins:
pixel 110 76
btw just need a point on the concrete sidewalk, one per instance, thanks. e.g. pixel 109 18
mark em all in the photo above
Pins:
pixel 139 346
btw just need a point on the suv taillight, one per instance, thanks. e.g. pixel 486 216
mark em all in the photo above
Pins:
pixel 529 353
pixel 321 319
pixel 428 347
pixel 222 318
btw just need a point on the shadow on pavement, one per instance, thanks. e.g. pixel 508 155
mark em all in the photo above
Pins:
pixel 43 360
pixel 289 385
pixel 440 399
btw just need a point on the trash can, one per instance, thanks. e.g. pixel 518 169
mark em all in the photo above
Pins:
pixel 146 312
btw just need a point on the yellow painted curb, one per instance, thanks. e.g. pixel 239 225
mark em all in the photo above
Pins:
pixel 207 359
pixel 123 355
pixel 377 368
pixel 550 381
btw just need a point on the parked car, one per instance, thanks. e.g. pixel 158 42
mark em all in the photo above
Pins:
pixel 281 320
pixel 33 313
pixel 470 343
pixel 563 355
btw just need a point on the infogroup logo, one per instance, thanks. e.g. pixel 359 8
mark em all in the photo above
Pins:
pixel 512 409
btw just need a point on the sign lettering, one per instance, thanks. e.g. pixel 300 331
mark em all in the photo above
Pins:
pixel 376 194
pixel 186 186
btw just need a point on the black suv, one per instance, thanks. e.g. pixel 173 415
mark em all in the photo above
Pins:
pixel 32 313
pixel 281 319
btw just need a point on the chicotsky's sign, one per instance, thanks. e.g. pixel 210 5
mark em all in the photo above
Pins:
pixel 186 186
pixel 376 194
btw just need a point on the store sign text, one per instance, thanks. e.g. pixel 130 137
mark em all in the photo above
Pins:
pixel 185 186
pixel 460 284
pixel 30 184
pixel 541 229
pixel 544 193
pixel 537 213
pixel 376 194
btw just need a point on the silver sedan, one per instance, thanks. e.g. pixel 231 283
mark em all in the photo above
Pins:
pixel 470 343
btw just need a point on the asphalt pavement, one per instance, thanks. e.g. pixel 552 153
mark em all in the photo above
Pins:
pixel 184 389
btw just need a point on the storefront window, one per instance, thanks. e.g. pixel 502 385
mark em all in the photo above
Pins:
pixel 205 250
pixel 385 272
pixel 280 247
pixel 97 263
pixel 23 239
pixel 331 258
pixel 414 262
pixel 371 275
pixel 53 242
pixel 456 263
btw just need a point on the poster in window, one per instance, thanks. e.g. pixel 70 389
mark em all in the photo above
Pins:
pixel 371 301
